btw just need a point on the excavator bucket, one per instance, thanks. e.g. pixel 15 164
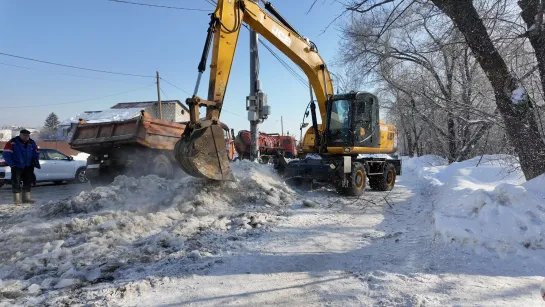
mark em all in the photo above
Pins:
pixel 203 154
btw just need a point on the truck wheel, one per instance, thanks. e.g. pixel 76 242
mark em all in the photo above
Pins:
pixel 162 167
pixel 80 176
pixel 386 181
pixel 356 181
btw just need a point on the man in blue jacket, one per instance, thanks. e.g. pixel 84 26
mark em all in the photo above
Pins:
pixel 22 155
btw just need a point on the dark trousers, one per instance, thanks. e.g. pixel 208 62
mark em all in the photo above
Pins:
pixel 26 175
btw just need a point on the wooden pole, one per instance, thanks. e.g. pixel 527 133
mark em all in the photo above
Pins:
pixel 159 96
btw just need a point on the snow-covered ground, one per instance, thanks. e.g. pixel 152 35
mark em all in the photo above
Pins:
pixel 155 242
pixel 486 204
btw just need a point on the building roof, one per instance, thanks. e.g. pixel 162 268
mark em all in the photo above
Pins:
pixel 145 104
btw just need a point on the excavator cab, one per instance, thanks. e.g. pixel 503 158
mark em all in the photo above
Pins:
pixel 353 120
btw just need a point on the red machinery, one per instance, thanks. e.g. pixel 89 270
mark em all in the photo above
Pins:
pixel 270 144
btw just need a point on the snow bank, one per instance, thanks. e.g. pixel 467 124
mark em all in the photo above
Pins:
pixel 81 156
pixel 488 205
pixel 424 166
pixel 134 223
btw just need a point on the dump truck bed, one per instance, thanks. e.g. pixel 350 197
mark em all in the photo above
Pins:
pixel 141 131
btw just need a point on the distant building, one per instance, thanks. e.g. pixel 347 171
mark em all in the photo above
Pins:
pixel 5 135
pixel 173 110
pixel 34 133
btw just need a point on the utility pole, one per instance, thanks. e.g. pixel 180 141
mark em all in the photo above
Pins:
pixel 159 96
pixel 256 102
pixel 254 88
pixel 282 125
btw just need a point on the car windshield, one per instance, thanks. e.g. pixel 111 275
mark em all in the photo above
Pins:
pixel 339 125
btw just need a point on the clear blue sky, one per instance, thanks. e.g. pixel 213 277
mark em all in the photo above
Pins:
pixel 105 35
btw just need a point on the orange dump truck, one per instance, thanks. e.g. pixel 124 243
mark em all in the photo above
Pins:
pixel 137 146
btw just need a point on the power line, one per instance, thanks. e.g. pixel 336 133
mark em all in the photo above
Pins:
pixel 176 87
pixel 77 101
pixel 161 88
pixel 53 72
pixel 286 65
pixel 161 6
pixel 75 67
pixel 191 95
pixel 211 2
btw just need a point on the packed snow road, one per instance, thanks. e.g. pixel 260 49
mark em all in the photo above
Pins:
pixel 256 242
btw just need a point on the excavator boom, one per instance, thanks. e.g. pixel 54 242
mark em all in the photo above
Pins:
pixel 201 150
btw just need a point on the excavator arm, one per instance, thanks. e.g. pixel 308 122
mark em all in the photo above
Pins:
pixel 230 16
pixel 201 150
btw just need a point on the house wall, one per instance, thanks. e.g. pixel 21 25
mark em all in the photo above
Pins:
pixel 172 112
pixel 180 114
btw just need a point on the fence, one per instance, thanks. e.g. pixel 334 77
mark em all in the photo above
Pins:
pixel 63 147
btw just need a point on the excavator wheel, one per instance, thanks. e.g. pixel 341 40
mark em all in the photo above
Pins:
pixel 384 182
pixel 356 181
pixel 202 153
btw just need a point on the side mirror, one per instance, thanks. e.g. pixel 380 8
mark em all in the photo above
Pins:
pixel 70 158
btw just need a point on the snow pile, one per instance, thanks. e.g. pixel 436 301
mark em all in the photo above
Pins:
pixel 81 156
pixel 519 95
pixel 134 224
pixel 425 166
pixel 104 116
pixel 488 205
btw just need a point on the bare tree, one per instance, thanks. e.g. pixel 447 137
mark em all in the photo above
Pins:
pixel 522 128
pixel 455 45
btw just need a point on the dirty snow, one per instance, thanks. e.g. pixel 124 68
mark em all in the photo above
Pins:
pixel 256 242
pixel 96 235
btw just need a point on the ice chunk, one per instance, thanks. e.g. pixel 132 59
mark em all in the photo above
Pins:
pixel 67 282
pixel 34 290
pixel 518 95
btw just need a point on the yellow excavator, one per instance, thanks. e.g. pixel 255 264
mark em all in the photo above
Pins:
pixel 344 143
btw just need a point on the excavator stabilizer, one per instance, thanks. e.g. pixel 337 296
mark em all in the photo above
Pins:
pixel 202 153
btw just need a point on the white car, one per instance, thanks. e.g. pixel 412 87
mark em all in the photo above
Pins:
pixel 56 167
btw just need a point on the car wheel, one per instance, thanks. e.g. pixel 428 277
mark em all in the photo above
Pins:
pixel 80 176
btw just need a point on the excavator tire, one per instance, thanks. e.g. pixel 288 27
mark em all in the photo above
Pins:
pixel 356 181
pixel 384 182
